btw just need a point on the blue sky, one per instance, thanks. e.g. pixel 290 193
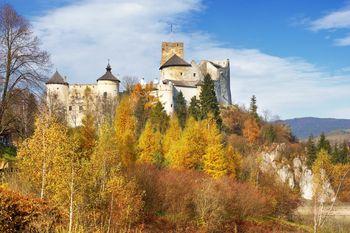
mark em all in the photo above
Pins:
pixel 293 55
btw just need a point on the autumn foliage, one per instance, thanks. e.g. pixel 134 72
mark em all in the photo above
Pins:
pixel 20 213
pixel 145 169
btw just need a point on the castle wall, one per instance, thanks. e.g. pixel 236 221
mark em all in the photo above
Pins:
pixel 59 91
pixel 176 73
pixel 171 48
pixel 165 95
pixel 107 87
pixel 188 92
pixel 219 71
pixel 78 101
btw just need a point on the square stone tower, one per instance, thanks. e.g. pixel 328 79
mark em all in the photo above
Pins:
pixel 171 48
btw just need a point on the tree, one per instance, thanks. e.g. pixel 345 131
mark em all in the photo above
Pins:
pixel 251 130
pixel 39 153
pixel 234 161
pixel 52 152
pixel 311 152
pixel 125 132
pixel 340 154
pixel 149 146
pixel 98 172
pixel 22 61
pixel 194 110
pixel 208 100
pixel 87 135
pixel 320 169
pixel 269 134
pixel 125 203
pixel 181 109
pixel 214 159
pixel 253 109
pixel 189 150
pixel 171 137
pixel 158 118
pixel 129 83
pixel 324 144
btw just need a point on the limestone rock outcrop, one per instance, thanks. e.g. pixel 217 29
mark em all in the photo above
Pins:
pixel 295 173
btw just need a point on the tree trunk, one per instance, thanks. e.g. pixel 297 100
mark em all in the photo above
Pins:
pixel 71 207
pixel 43 180
pixel 110 215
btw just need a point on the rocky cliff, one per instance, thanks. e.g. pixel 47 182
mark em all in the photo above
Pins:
pixel 295 173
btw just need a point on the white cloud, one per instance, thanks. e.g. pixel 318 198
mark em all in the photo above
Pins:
pixel 333 21
pixel 82 36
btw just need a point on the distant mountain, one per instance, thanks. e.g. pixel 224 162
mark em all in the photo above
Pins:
pixel 304 127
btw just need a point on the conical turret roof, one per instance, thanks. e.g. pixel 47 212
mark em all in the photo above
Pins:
pixel 56 79
pixel 108 76
pixel 175 60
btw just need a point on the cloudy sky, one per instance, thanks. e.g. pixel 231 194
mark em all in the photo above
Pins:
pixel 293 55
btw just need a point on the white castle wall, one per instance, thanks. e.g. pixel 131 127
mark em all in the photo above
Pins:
pixel 108 87
pixel 72 97
pixel 165 95
pixel 188 92
pixel 58 91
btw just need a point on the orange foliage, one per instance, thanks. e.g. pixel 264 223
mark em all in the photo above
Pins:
pixel 25 214
pixel 251 130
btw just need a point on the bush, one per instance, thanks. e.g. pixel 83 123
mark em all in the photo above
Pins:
pixel 169 193
pixel 125 202
pixel 284 200
pixel 185 198
pixel 25 214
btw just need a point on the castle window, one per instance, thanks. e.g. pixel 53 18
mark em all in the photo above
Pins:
pixel 104 94
pixel 194 74
pixel 70 108
pixel 181 73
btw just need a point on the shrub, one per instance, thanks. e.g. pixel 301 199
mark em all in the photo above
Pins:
pixel 284 200
pixel 25 214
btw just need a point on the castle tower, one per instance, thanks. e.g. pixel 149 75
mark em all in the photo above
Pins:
pixel 171 48
pixel 57 90
pixel 108 84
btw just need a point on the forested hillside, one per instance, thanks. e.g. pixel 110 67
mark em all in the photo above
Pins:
pixel 304 127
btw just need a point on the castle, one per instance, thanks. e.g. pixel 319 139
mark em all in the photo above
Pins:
pixel 74 99
pixel 176 75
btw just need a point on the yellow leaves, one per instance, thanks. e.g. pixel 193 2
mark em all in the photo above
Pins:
pixel 189 150
pixel 321 169
pixel 199 147
pixel 149 146
pixel 172 135
pixel 125 131
pixel 214 159
pixel 43 157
